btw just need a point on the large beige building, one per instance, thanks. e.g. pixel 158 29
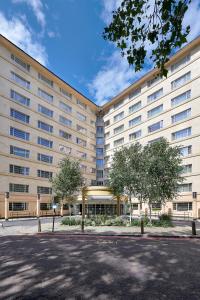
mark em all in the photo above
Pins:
pixel 43 118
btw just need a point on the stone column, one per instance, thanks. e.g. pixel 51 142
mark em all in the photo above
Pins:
pixel 118 205
pixel 6 205
pixel 61 209
pixel 38 206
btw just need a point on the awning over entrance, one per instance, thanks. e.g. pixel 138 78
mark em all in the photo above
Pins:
pixel 100 197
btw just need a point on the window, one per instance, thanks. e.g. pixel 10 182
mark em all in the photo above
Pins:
pixel 185 187
pixel 180 81
pixel 45 79
pixel 134 206
pixel 20 80
pixel 118 104
pixel 92 135
pixel 135 121
pixel 135 107
pixel 65 135
pixel 45 142
pixel 107 134
pixel 66 94
pixel 135 135
pixel 44 190
pixel 100 163
pixel 107 123
pixel 45 206
pixel 19 115
pixel 180 63
pixel 18 206
pixel 81 142
pixel 83 168
pixel 107 158
pixel 82 154
pixel 181 98
pixel 20 62
pixel 93 170
pixel 156 206
pixel 45 111
pixel 99 152
pixel 182 133
pixel 65 149
pixel 80 116
pixel 155 126
pixel 66 108
pixel 19 133
pixel 19 151
pixel 118 116
pixel 135 93
pixel 181 116
pixel 44 95
pixel 19 98
pixel 107 147
pixel 65 121
pixel 99 174
pixel 44 174
pixel 156 95
pixel 100 130
pixel 185 151
pixel 187 169
pixel 45 158
pixel 118 129
pixel 81 104
pixel 81 129
pixel 45 126
pixel 155 111
pixel 19 170
pixel 20 188
pixel 92 122
pixel 118 142
pixel 182 206
pixel 153 80
pixel 99 140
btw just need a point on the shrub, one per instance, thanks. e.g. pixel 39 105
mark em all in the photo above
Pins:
pixel 165 217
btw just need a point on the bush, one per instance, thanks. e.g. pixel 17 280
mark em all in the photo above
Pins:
pixel 165 217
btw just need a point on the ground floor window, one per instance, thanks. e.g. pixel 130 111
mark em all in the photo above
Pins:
pixel 134 206
pixel 65 206
pixel 182 206
pixel 156 206
pixel 101 209
pixel 45 206
pixel 18 206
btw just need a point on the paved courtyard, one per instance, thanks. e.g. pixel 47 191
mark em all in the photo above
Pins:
pixel 86 267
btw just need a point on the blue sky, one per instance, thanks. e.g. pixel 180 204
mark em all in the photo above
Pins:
pixel 66 36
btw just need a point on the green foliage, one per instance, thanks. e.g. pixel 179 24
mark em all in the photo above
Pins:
pixel 165 217
pixel 138 26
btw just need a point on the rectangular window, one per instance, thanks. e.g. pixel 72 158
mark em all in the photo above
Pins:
pixel 45 158
pixel 118 104
pixel 19 133
pixel 45 206
pixel 20 80
pixel 135 107
pixel 100 163
pixel 44 95
pixel 45 142
pixel 185 151
pixel 81 104
pixel 19 170
pixel 181 98
pixel 153 80
pixel 135 135
pixel 156 95
pixel 107 147
pixel 107 123
pixel 185 187
pixel 155 111
pixel 66 108
pixel 181 116
pixel 45 111
pixel 66 93
pixel 19 115
pixel 19 98
pixel 44 190
pixel 180 63
pixel 118 116
pixel 100 130
pixel 180 81
pixel 118 129
pixel 118 142
pixel 18 206
pixel 44 174
pixel 83 168
pixel 107 134
pixel 65 149
pixel 182 206
pixel 135 93
pixel 19 151
pixel 20 62
pixel 80 116
pixel 99 140
pixel 155 126
pixel 81 129
pixel 99 174
pixel 45 126
pixel 135 121
pixel 45 79
pixel 154 140
pixel 82 154
pixel 187 169
pixel 81 142
pixel 99 152
pixel 65 135
pixel 65 121
pixel 20 188
pixel 182 133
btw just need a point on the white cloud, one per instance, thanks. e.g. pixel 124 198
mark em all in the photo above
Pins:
pixel 18 32
pixel 191 18
pixel 108 7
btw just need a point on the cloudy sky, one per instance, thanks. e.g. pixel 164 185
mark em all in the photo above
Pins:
pixel 66 36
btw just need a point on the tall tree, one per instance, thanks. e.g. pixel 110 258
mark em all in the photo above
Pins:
pixel 146 28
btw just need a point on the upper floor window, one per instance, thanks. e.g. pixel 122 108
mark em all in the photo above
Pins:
pixel 100 130
pixel 20 188
pixel 45 142
pixel 45 126
pixel 118 129
pixel 20 62
pixel 107 134
pixel 135 135
pixel 65 149
pixel 20 80
pixel 185 151
pixel 80 116
pixel 81 104
pixel 19 151
pixel 156 95
pixel 182 133
pixel 65 121
pixel 100 163
pixel 81 129
pixel 155 126
pixel 135 121
pixel 19 98
pixel 155 111
pixel 81 142
pixel 66 108
pixel 66 93
pixel 118 104
pixel 187 168
pixel 19 115
pixel 19 170
pixel 45 111
pixel 118 142
pixel 45 79
pixel 135 107
pixel 46 96
pixel 181 116
pixel 135 93
pixel 106 147
pixel 82 154
pixel 44 174
pixel 44 190
pixel 19 133
pixel 92 122
pixel 183 61
pixel 153 80
pixel 45 158
pixel 107 123
pixel 154 140
pixel 181 98
pixel 65 135
pixel 99 152
pixel 185 187
pixel 118 116
pixel 99 140
pixel 181 80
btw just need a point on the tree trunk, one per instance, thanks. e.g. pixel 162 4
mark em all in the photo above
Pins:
pixel 150 220
pixel 130 209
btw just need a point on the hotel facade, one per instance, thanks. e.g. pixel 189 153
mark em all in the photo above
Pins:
pixel 43 119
